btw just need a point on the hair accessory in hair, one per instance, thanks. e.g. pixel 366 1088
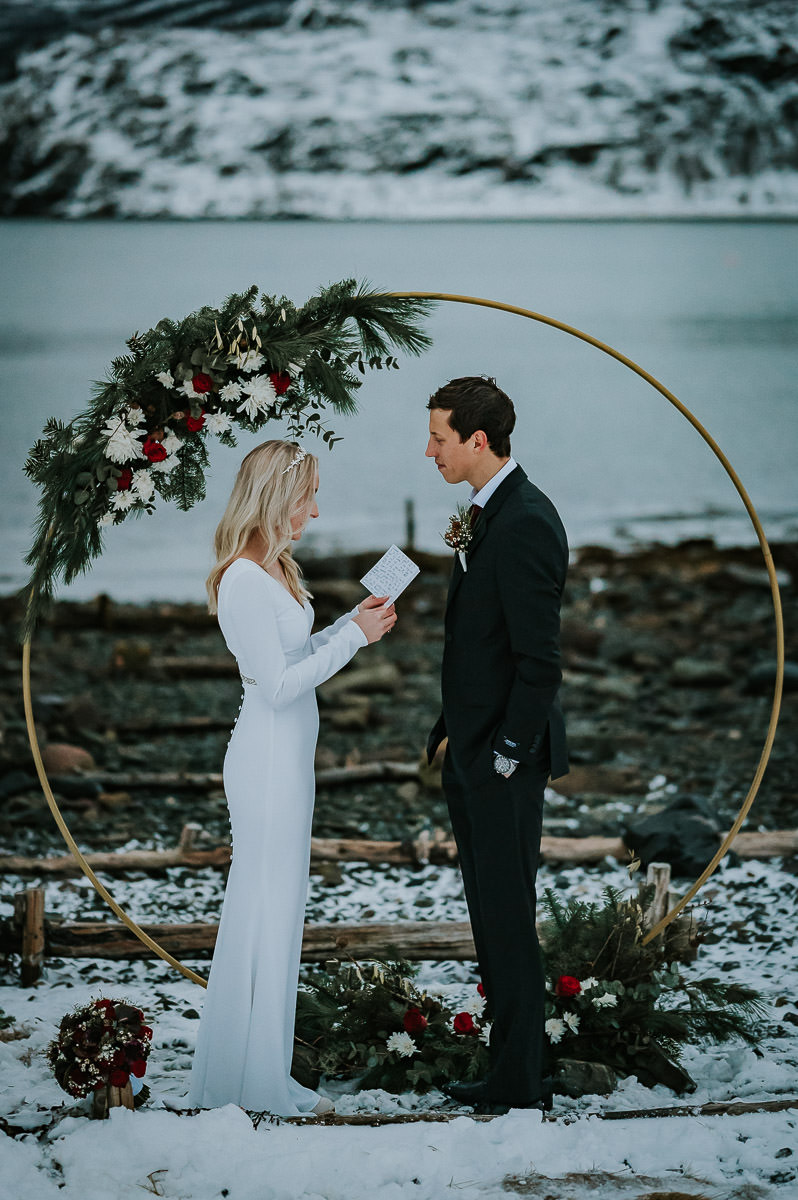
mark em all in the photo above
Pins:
pixel 300 454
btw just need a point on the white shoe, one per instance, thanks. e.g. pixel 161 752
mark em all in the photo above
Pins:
pixel 324 1106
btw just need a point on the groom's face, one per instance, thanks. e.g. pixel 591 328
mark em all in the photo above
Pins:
pixel 453 458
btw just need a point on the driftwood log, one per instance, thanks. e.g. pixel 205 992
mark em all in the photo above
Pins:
pixel 435 848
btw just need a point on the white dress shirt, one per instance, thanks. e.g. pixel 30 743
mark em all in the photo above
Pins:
pixel 484 494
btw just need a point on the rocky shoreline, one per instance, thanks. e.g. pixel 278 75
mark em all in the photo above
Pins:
pixel 669 661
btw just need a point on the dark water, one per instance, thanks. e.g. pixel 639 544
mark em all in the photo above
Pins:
pixel 709 308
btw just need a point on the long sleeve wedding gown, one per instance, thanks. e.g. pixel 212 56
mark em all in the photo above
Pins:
pixel 245 1037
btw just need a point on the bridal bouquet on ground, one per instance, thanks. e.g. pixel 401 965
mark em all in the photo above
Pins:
pixel 100 1044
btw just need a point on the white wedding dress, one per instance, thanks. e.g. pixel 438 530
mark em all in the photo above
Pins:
pixel 245 1037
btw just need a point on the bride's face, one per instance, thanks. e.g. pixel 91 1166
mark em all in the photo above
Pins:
pixel 305 514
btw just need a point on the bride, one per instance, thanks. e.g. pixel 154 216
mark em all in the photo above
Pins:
pixel 245 1037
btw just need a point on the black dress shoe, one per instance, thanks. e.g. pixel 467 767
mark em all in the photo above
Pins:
pixel 483 1101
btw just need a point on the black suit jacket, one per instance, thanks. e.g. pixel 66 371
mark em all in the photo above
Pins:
pixel 501 658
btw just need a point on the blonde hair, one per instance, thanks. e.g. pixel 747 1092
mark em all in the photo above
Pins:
pixel 265 497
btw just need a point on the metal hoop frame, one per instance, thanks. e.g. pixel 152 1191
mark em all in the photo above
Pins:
pixel 777 613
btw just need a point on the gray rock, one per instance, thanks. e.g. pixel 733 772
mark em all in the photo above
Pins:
pixel 698 672
pixel 574 1078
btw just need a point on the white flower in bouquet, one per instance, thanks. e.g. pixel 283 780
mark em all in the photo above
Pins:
pixel 218 422
pixel 260 389
pixel 166 378
pixel 589 983
pixel 135 416
pixel 475 1006
pixel 122 501
pixel 484 1034
pixel 251 361
pixel 555 1028
pixel 402 1044
pixel 187 388
pixel 230 392
pixel 107 519
pixel 571 1020
pixel 171 442
pixel 142 484
pixel 122 444
pixel 605 1000
pixel 166 464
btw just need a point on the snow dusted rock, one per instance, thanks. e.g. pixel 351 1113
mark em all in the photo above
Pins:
pixel 477 108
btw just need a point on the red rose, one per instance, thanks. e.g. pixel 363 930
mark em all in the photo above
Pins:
pixel 124 480
pixel 195 423
pixel 481 990
pixel 566 985
pixel 138 1068
pixel 118 1078
pixel 154 450
pixel 202 383
pixel 464 1023
pixel 119 1059
pixel 414 1021
pixel 280 381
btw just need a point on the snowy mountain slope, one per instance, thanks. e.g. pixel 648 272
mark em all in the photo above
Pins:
pixel 345 108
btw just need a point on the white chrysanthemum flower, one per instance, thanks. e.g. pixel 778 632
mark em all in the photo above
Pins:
pixel 250 407
pixel 187 388
pixel 261 389
pixel 218 422
pixel 171 442
pixel 606 1000
pixel 122 444
pixel 107 518
pixel 166 464
pixel 555 1028
pixel 402 1044
pixel 142 484
pixel 484 1035
pixel 572 1021
pixel 475 1006
pixel 166 378
pixel 589 983
pixel 253 360
pixel 121 501
pixel 135 416
pixel 230 391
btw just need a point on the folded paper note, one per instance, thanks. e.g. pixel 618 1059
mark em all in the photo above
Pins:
pixel 391 575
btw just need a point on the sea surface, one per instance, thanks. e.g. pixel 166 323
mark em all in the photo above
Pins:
pixel 709 308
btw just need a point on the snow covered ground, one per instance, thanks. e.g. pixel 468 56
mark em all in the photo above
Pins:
pixel 356 109
pixel 750 911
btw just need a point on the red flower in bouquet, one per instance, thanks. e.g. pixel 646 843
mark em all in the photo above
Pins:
pixel 464 1023
pixel 567 985
pixel 481 989
pixel 154 450
pixel 124 479
pixel 118 1077
pixel 195 423
pixel 146 1033
pixel 414 1021
pixel 281 382
pixel 202 383
pixel 138 1067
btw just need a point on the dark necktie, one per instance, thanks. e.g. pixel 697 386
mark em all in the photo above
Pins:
pixel 474 512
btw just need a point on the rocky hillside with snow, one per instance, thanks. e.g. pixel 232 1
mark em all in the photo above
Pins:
pixel 399 108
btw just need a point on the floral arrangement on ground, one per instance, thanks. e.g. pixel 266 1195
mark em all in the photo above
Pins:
pixel 610 999
pixel 255 360
pixel 104 1043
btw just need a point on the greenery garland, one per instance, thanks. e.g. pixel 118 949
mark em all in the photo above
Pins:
pixel 253 361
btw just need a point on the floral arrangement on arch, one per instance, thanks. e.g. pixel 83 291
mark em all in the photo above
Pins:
pixel 100 1044
pixel 257 359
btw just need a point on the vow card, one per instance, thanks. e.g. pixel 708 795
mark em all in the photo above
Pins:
pixel 391 575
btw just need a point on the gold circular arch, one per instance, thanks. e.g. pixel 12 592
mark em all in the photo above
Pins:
pixel 774 589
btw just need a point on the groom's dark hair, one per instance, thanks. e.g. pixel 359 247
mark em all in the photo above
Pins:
pixel 477 402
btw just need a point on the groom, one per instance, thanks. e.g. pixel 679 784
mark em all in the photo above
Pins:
pixel 499 682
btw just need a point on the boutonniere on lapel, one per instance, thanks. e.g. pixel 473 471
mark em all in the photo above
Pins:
pixel 459 532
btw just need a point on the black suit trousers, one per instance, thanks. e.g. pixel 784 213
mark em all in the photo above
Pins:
pixel 497 826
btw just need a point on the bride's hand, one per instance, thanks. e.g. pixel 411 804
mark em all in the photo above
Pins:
pixel 374 619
